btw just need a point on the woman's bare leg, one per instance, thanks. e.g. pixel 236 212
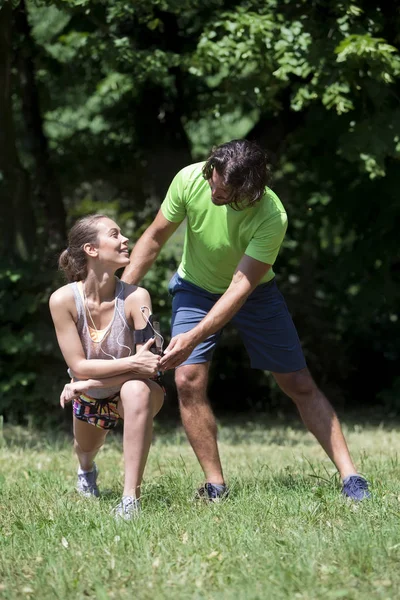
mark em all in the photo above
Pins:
pixel 87 442
pixel 140 402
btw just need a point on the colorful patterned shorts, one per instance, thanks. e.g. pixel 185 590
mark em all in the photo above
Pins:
pixel 100 413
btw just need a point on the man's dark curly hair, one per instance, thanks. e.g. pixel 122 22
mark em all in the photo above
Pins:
pixel 244 168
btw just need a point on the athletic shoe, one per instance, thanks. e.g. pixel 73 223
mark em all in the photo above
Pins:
pixel 86 484
pixel 127 509
pixel 355 487
pixel 212 492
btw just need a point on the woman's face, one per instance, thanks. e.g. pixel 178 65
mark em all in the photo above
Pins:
pixel 112 246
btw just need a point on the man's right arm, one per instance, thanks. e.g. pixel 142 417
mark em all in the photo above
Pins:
pixel 148 247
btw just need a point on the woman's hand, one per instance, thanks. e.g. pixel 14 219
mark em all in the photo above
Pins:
pixel 72 390
pixel 144 362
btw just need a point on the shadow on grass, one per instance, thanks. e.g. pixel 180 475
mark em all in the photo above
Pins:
pixel 31 437
pixel 236 429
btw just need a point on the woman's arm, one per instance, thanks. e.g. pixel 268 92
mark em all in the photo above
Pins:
pixel 62 307
pixel 74 389
pixel 138 309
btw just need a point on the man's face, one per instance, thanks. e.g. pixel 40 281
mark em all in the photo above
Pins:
pixel 220 194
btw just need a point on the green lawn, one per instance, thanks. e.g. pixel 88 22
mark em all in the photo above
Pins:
pixel 285 531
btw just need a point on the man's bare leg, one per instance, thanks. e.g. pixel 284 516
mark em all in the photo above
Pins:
pixel 198 418
pixel 318 416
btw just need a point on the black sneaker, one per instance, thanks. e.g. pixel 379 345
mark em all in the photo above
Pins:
pixel 355 487
pixel 212 492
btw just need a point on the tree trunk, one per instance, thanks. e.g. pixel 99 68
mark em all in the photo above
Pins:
pixel 48 192
pixel 164 141
pixel 17 233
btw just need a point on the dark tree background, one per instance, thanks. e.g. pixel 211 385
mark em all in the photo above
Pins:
pixel 101 102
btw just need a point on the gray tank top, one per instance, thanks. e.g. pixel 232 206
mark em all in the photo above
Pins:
pixel 115 341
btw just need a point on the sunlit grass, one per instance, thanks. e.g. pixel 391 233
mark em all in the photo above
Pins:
pixel 285 531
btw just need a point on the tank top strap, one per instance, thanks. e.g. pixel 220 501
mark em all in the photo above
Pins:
pixel 78 303
pixel 120 300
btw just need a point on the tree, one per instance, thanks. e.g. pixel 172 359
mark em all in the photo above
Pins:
pixel 47 195
pixel 112 98
pixel 15 216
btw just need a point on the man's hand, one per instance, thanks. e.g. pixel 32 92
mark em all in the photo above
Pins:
pixel 144 362
pixel 178 350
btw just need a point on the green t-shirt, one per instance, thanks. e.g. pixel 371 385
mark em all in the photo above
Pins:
pixel 218 236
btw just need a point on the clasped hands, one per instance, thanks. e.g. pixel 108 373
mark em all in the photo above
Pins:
pixel 177 351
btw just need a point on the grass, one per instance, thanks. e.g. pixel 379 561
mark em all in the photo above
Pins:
pixel 284 533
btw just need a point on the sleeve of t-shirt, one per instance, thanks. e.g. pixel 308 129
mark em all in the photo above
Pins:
pixel 268 238
pixel 173 208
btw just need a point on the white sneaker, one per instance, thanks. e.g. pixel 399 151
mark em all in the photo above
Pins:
pixel 86 484
pixel 127 509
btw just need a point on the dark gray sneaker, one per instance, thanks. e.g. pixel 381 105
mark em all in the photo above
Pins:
pixel 355 487
pixel 212 492
pixel 87 483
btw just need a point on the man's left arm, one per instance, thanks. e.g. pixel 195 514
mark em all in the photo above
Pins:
pixel 247 276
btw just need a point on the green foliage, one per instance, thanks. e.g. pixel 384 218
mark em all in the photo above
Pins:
pixel 237 61
pixel 30 369
pixel 132 91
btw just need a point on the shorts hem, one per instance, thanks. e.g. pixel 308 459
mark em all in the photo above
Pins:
pixel 195 361
pixel 280 370
pixel 110 425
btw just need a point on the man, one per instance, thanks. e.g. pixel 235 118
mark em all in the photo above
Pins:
pixel 235 227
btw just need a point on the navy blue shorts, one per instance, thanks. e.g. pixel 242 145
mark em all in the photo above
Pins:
pixel 264 324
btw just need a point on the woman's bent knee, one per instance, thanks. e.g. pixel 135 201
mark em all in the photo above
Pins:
pixel 86 448
pixel 135 387
pixel 141 396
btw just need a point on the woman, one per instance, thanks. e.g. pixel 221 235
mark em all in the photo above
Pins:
pixel 98 319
